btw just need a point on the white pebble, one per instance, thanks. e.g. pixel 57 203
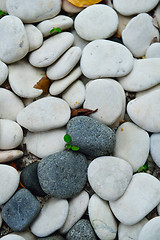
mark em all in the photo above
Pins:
pixel 151 230
pixel 154 148
pixel 70 8
pixel 153 51
pixel 10 155
pixel 4 72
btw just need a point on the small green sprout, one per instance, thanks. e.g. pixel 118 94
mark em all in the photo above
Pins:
pixel 55 29
pixel 143 168
pixel 67 139
pixel 3 13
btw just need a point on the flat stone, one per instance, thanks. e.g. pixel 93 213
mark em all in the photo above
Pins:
pixel 104 58
pixel 61 21
pixel 138 94
pixel 63 174
pixel 132 144
pixel 4 72
pixel 35 37
pixel 9 182
pixel 11 134
pixel 22 78
pixel 78 41
pixel 154 148
pixel 74 95
pixel 52 237
pixel 27 235
pixel 29 179
pixel 64 64
pixel 70 8
pixel 51 217
pixel 122 23
pixel 20 210
pixel 153 51
pixel 77 207
pixel 143 106
pixel 135 29
pixel 30 12
pixel 44 114
pixel 151 230
pixel 143 69
pixel 107 96
pixel 106 172
pixel 127 8
pixel 82 230
pixel 130 232
pixel 96 22
pixel 8 101
pixel 13 36
pixel 7 156
pixel 101 218
pixel 51 49
pixel 58 87
pixel 12 237
pixel 91 136
pixel 137 201
pixel 43 144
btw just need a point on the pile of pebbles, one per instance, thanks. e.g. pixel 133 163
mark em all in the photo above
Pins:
pixel 107 57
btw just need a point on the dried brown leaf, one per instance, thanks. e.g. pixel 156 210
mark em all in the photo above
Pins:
pixel 82 111
pixel 43 84
pixel 154 40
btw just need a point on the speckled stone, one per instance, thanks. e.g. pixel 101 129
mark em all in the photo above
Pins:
pixel 91 136
pixel 63 174
pixel 82 230
pixel 20 210
pixel 29 179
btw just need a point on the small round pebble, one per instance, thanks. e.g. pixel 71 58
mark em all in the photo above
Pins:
pixel 153 51
pixel 82 230
pixel 10 155
pixel 12 237
pixel 93 137
pixel 4 72
pixel 20 210
pixel 69 7
pixel 29 179
pixel 63 174
pixel 154 148
pixel 151 230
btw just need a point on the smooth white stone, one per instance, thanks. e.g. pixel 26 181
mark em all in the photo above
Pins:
pixel 78 41
pixel 44 114
pixel 28 101
pixel 51 217
pixel 64 64
pixel 141 196
pixel 136 29
pixel 51 49
pixel 95 22
pixel 12 237
pixel 77 207
pixel 4 72
pixel 9 182
pixel 106 172
pixel 14 43
pixel 0 220
pixel 127 7
pixel 122 23
pixel 101 218
pixel 75 94
pixel 132 144
pixel 108 96
pixel 43 144
pixel 130 232
pixel 145 112
pixel 10 104
pixel 139 94
pixel 63 22
pixel 27 235
pixel 59 86
pixel 104 58
pixel 69 7
pixel 7 156
pixel 22 77
pixel 11 134
pixel 154 148
pixel 158 209
pixel 3 5
pixel 151 230
pixel 35 37
pixel 157 15
pixel 33 11
pixel 153 51
pixel 148 69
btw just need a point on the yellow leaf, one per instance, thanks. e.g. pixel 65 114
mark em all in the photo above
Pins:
pixel 43 84
pixel 83 3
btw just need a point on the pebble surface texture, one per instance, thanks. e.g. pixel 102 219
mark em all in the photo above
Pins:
pixel 63 174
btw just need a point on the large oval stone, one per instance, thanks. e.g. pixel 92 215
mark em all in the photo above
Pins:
pixel 151 230
pixel 104 58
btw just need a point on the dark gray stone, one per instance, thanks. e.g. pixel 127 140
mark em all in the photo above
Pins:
pixel 53 237
pixel 21 210
pixel 29 179
pixel 82 230
pixel 63 174
pixel 91 136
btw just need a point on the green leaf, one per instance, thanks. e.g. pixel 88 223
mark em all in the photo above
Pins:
pixel 74 148
pixel 52 30
pixel 67 138
pixel 2 12
pixel 58 29
pixel 143 168
pixel 68 146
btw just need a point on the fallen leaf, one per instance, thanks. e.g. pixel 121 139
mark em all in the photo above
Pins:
pixel 43 84
pixel 82 111
pixel 83 3
pixel 154 40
